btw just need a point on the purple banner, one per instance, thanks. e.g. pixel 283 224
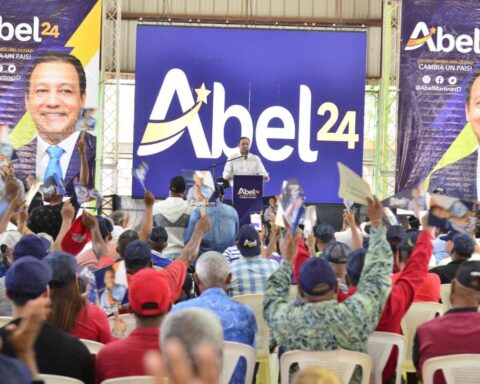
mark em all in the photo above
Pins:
pixel 297 95
pixel 439 54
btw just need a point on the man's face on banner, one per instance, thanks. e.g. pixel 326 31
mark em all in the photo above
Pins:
pixel 54 100
pixel 472 109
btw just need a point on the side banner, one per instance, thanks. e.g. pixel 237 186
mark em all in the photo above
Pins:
pixel 49 71
pixel 298 96
pixel 439 122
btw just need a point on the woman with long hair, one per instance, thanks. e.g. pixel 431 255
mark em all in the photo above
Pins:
pixel 70 311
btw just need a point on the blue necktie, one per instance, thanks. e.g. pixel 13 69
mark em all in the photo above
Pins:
pixel 53 166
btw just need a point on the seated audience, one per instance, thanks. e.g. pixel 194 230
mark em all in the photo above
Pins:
pixel 212 278
pixel 458 331
pixel 56 352
pixel 315 375
pixel 323 323
pixel 460 246
pixel 149 297
pixel 251 272
pixel 70 312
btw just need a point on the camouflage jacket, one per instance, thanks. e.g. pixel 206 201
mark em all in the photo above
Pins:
pixel 329 325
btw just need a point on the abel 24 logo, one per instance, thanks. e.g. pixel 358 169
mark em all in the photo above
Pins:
pixel 437 40
pixel 295 131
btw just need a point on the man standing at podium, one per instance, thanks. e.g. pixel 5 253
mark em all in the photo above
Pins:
pixel 244 162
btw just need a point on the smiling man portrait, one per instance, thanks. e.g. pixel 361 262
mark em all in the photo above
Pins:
pixel 55 93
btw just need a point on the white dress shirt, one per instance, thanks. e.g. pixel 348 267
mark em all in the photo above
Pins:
pixel 251 165
pixel 68 146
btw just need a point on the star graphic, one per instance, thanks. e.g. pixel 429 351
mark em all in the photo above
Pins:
pixel 433 30
pixel 202 93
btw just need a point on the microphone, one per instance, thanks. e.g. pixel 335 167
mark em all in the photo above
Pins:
pixel 245 156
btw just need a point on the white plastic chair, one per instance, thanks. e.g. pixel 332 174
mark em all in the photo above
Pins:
pixel 340 361
pixel 131 380
pixel 4 320
pixel 445 295
pixel 232 352
pixel 380 345
pixel 417 314
pixel 262 337
pixel 128 319
pixel 457 369
pixel 57 379
pixel 93 346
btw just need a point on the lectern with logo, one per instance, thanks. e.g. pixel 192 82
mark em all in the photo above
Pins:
pixel 247 196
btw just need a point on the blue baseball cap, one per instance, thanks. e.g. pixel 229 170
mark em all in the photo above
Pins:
pixel 449 236
pixel 248 242
pixel 137 254
pixel 64 267
pixel 317 277
pixel 355 262
pixel 31 245
pixel 325 232
pixel 28 276
pixel 463 245
pixel 336 252
pixel 158 233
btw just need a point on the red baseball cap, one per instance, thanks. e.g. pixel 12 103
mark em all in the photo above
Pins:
pixel 77 236
pixel 149 293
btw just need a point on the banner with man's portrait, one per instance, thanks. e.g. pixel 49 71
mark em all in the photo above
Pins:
pixel 49 75
pixel 439 116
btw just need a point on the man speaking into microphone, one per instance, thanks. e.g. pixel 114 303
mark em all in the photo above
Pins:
pixel 244 162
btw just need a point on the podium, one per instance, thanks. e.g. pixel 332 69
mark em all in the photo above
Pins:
pixel 247 196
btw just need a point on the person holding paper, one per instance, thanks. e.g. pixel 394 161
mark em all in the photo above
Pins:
pixel 244 163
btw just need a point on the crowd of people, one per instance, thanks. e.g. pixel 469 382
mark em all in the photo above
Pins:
pixel 184 266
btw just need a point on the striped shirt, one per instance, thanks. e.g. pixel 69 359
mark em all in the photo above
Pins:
pixel 232 253
pixel 250 275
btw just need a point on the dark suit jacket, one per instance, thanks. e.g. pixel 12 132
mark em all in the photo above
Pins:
pixel 459 179
pixel 27 155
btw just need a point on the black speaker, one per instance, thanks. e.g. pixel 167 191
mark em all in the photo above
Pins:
pixel 110 203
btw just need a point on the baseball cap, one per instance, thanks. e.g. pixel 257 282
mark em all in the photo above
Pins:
pixel 325 232
pixel 31 245
pixel 104 225
pixel 395 231
pixel 10 239
pixel 248 242
pixel 317 277
pixel 408 241
pixel 77 236
pixel 355 262
pixel 177 184
pixel 158 233
pixel 336 252
pixel 28 276
pixel 468 274
pixel 63 266
pixel 137 254
pixel 463 245
pixel 449 236
pixel 149 293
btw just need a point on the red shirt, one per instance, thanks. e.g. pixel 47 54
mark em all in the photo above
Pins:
pixel 428 291
pixel 125 357
pixel 458 331
pixel 92 324
pixel 175 273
